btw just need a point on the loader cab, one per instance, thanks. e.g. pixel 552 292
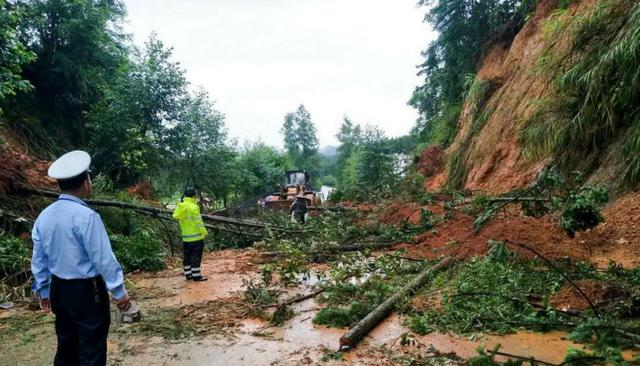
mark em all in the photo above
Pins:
pixel 297 183
pixel 298 178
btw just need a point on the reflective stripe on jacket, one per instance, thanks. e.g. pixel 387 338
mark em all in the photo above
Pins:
pixel 188 214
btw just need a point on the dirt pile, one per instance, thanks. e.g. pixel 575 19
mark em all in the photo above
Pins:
pixel 19 168
pixel 142 190
pixel 362 207
pixel 618 237
pixel 430 161
pixel 599 293
pixel 457 237
pixel 616 240
pixel 396 213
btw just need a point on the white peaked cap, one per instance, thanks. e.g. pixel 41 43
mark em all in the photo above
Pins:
pixel 70 165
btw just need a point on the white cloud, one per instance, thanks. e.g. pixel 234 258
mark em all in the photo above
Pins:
pixel 260 59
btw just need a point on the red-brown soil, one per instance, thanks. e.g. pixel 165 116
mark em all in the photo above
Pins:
pixel 19 168
pixel 360 206
pixel 599 293
pixel 495 158
pixel 617 239
pixel 395 213
pixel 457 237
pixel 430 161
pixel 142 190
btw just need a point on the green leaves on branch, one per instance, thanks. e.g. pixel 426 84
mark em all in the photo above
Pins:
pixel 490 294
pixel 581 210
pixel 134 126
pixel 13 53
pixel 14 255
pixel 580 207
pixel 465 29
pixel 138 251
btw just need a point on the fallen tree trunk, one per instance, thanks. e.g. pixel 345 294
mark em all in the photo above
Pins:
pixel 351 338
pixel 208 226
pixel 218 221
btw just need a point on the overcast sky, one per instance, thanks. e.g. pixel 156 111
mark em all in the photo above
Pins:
pixel 260 59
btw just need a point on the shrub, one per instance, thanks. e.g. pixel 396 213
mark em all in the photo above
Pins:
pixel 138 251
pixel 14 255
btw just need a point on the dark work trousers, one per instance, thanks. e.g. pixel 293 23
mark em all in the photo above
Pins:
pixel 299 215
pixel 82 321
pixel 192 258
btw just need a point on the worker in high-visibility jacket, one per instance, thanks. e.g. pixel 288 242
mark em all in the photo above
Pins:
pixel 193 233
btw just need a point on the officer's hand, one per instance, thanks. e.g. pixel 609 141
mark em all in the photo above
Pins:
pixel 123 303
pixel 45 305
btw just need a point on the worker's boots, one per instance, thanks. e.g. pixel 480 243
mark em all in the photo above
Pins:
pixel 197 276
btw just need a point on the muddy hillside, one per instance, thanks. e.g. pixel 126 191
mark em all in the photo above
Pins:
pixel 510 130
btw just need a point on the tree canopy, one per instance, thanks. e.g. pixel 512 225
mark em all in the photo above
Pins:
pixel 71 78
pixel 466 28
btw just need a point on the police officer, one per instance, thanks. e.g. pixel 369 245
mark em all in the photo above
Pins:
pixel 193 233
pixel 74 267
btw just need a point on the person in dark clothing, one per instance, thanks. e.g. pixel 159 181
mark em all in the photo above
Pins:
pixel 299 209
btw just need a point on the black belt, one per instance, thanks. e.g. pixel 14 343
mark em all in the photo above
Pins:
pixel 97 278
pixel 94 283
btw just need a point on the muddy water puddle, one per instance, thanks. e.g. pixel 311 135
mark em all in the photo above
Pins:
pixel 226 271
pixel 299 341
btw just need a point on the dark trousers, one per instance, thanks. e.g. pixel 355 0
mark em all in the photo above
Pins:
pixel 300 216
pixel 82 321
pixel 192 258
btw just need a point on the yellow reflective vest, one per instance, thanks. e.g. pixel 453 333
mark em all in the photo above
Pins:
pixel 188 214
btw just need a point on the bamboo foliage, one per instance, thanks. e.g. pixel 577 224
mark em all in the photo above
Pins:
pixel 597 89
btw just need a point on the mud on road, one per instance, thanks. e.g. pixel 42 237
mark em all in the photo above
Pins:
pixel 188 323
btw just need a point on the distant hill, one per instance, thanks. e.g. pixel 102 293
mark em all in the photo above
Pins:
pixel 329 150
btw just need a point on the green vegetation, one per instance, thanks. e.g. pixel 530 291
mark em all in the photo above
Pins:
pixel 322 238
pixel 502 293
pixel 360 284
pixel 14 255
pixel 14 326
pixel 138 251
pixel 465 30
pixel 300 138
pixel 368 162
pixel 14 53
pixel 580 205
pixel 163 322
pixel 329 355
pixel 444 128
pixel 491 295
pixel 132 107
pixel 360 300
pixel 596 95
pixel 139 243
pixel 478 94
